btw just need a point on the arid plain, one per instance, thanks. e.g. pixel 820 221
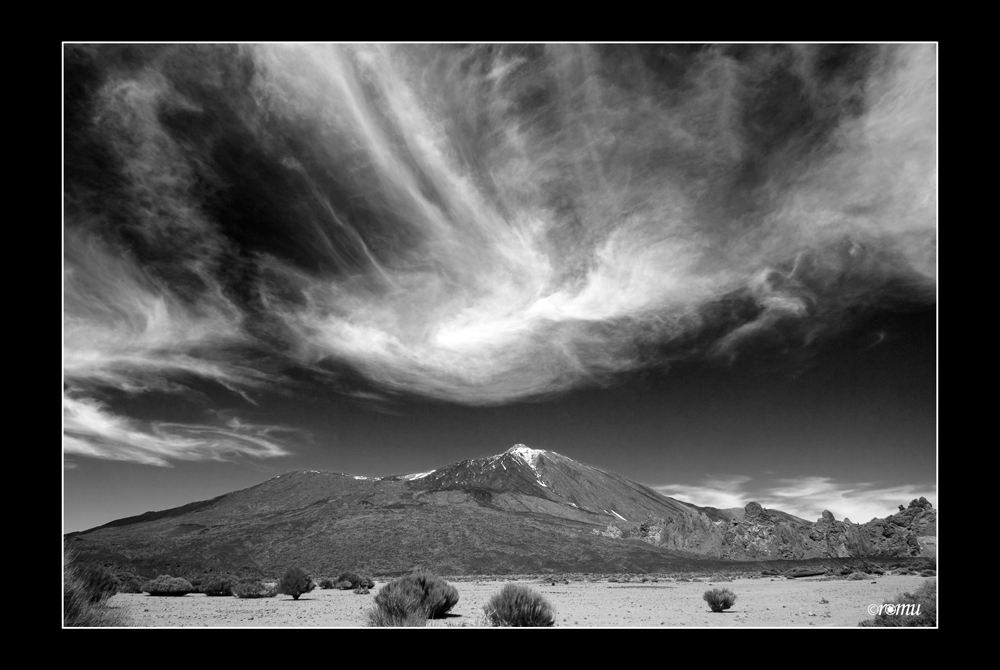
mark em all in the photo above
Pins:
pixel 761 602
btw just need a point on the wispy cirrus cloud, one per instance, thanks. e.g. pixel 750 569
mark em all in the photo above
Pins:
pixel 91 430
pixel 719 492
pixel 806 497
pixel 124 329
pixel 486 223
pixel 505 294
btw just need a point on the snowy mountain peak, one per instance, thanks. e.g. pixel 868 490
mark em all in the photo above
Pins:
pixel 526 454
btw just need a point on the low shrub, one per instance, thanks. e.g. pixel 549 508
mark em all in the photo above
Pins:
pixel 416 597
pixel 362 591
pixel 352 580
pixel 857 576
pixel 98 582
pixel 326 583
pixel 920 609
pixel 518 605
pixel 295 582
pixel 396 608
pixel 796 573
pixel 165 585
pixel 80 609
pixel 719 599
pixel 253 588
pixel 220 586
pixel 197 581
pixel 349 578
pixel 129 582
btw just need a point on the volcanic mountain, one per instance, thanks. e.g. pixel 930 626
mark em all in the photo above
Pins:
pixel 525 510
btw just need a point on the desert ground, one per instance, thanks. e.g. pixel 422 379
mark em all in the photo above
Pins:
pixel 762 602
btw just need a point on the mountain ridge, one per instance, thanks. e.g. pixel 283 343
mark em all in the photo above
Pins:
pixel 525 510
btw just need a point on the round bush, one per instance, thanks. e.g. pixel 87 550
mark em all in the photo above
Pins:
pixel 421 592
pixel 349 579
pixel 165 585
pixel 518 605
pixel 129 582
pixel 295 583
pixel 253 588
pixel 397 607
pixel 218 587
pixel 326 583
pixel 352 580
pixel 719 599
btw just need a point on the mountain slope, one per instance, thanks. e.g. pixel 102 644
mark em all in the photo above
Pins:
pixel 525 510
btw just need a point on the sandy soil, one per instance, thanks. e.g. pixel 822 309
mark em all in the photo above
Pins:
pixel 667 603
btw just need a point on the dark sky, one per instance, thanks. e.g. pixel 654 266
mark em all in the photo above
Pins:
pixel 709 268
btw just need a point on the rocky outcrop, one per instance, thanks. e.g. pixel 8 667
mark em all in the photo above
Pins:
pixel 896 535
pixel 758 534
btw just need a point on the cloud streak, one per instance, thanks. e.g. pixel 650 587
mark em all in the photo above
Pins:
pixel 483 224
pixel 90 430
pixel 125 330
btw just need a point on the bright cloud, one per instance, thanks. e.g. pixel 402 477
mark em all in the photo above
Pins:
pixel 482 224
pixel 92 431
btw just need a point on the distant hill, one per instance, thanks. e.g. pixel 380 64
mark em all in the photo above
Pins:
pixel 522 511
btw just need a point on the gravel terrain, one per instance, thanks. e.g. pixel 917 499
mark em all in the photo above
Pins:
pixel 760 602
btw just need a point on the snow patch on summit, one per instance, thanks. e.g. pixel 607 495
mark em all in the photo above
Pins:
pixel 530 457
pixel 526 454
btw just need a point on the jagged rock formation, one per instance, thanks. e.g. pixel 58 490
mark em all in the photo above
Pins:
pixel 758 534
pixel 895 535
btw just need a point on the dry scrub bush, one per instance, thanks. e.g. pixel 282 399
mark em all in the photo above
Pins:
pixel 719 599
pixel 80 607
pixel 295 583
pixel 923 600
pixel 326 583
pixel 98 582
pixel 399 607
pixel 253 588
pixel 347 580
pixel 518 605
pixel 222 586
pixel 129 583
pixel 352 580
pixel 416 597
pixel 165 585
